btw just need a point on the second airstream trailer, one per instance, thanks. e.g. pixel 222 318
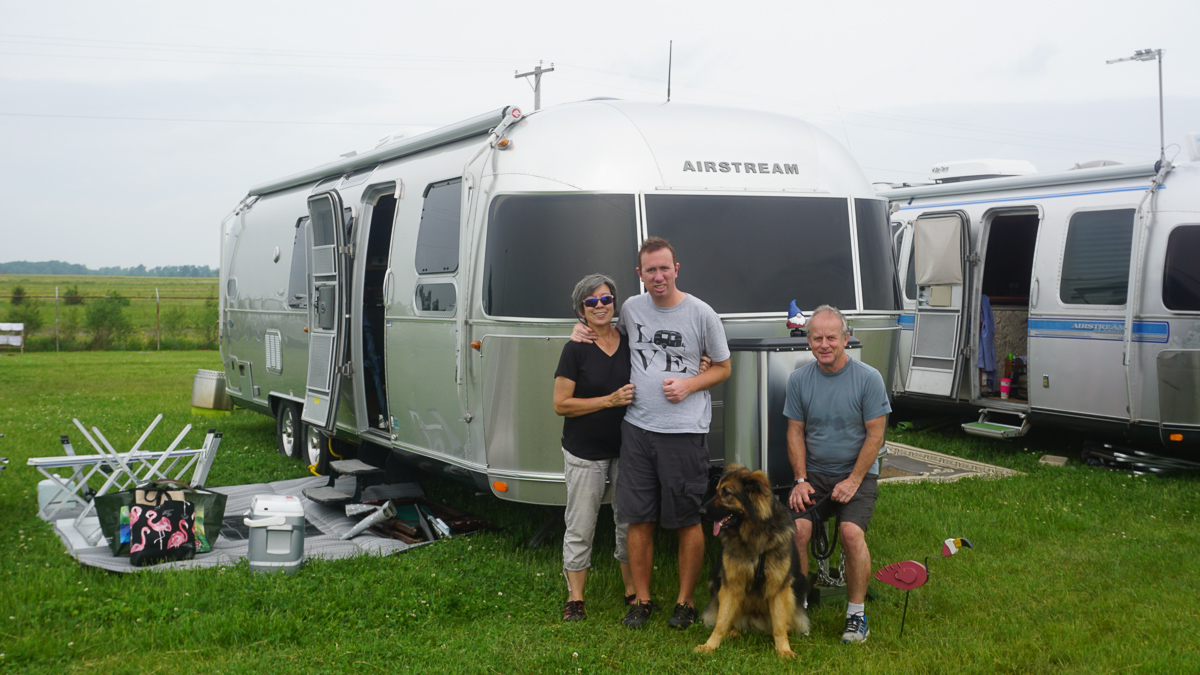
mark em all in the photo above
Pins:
pixel 415 297
pixel 1082 287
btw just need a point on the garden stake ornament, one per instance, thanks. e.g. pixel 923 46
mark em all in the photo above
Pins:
pixel 911 574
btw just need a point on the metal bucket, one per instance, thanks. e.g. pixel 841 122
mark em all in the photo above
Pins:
pixel 208 391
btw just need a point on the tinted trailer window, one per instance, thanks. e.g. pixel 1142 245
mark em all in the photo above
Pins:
pixel 744 254
pixel 539 246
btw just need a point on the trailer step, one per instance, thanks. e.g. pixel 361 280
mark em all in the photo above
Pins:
pixel 353 467
pixel 988 427
pixel 328 496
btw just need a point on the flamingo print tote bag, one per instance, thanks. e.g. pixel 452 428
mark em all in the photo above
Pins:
pixel 162 533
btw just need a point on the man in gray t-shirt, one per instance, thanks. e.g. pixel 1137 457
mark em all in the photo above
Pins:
pixel 664 446
pixel 837 412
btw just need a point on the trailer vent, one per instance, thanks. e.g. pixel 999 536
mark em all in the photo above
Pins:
pixel 273 342
pixel 322 257
pixel 320 362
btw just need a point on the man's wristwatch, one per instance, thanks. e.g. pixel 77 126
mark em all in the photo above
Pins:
pixel 799 481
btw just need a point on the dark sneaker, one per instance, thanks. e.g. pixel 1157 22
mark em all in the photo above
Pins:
pixel 573 611
pixel 856 629
pixel 684 616
pixel 638 615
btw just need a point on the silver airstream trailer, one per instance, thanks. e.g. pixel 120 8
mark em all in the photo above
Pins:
pixel 415 297
pixel 1084 284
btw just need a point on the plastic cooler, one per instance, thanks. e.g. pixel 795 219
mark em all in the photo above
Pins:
pixel 276 525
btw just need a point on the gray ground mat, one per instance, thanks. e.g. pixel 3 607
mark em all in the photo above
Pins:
pixel 322 539
pixel 908 464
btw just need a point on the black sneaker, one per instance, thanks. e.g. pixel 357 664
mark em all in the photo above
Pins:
pixel 638 615
pixel 573 611
pixel 684 616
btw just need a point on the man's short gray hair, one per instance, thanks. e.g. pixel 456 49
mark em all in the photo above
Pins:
pixel 587 286
pixel 830 309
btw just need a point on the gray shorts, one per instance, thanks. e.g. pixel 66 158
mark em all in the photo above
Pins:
pixel 663 477
pixel 860 507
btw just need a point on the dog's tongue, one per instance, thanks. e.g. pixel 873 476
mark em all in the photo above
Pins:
pixel 717 525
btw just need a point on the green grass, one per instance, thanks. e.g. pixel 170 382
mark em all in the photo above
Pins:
pixel 1075 569
pixel 183 295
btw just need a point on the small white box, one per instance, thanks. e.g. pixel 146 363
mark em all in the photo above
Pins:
pixel 276 525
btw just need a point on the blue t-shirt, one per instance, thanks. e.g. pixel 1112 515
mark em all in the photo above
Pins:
pixel 835 408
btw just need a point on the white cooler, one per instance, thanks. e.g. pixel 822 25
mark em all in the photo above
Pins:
pixel 276 525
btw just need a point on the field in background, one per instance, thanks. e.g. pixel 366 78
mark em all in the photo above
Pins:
pixel 187 310
pixel 1075 569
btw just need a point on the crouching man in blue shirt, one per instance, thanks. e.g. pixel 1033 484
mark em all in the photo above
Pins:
pixel 837 411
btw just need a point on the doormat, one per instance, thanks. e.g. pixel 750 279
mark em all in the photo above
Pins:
pixel 907 464
pixel 324 527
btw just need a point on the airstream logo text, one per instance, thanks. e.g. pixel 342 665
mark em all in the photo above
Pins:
pixel 740 167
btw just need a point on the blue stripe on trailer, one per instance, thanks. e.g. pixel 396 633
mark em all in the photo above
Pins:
pixel 1094 329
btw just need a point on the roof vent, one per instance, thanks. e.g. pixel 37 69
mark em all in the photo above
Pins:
pixel 977 169
pixel 1095 163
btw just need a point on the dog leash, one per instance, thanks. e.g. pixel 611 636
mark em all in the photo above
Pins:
pixel 822 545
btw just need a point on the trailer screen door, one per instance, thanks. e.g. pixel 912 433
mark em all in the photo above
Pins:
pixel 939 247
pixel 326 326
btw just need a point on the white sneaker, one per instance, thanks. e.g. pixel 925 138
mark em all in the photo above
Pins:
pixel 856 629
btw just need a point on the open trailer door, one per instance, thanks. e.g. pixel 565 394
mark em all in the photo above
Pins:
pixel 326 326
pixel 940 255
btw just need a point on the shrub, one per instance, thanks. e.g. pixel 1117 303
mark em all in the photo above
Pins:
pixel 28 312
pixel 69 324
pixel 106 319
pixel 208 322
pixel 18 295
pixel 173 321
pixel 71 295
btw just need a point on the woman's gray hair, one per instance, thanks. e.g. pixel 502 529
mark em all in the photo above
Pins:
pixel 830 309
pixel 587 286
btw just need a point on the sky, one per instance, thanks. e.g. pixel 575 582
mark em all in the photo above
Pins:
pixel 128 130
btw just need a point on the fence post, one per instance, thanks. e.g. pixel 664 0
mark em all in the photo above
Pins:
pixel 157 325
pixel 56 318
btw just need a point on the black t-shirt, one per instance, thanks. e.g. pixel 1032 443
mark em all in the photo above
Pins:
pixel 597 435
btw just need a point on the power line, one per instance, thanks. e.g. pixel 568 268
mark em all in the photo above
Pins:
pixel 218 121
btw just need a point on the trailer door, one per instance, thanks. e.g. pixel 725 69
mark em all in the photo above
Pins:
pixel 940 245
pixel 326 325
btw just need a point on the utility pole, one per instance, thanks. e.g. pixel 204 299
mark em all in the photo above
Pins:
pixel 537 82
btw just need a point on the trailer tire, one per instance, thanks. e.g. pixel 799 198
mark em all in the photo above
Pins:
pixel 289 430
pixel 314 451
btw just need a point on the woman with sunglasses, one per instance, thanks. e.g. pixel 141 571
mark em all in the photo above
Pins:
pixel 592 390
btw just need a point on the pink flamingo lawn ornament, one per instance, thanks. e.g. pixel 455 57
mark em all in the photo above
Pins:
pixel 911 574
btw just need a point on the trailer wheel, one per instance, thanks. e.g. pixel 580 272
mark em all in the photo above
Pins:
pixel 315 450
pixel 288 430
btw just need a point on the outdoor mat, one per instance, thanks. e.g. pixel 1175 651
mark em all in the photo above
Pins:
pixel 324 527
pixel 907 464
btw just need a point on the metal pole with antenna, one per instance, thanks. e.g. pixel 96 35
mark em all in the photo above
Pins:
pixel 537 82
pixel 1152 55
pixel 670 54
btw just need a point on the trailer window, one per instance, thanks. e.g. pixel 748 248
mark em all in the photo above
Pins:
pixel 744 254
pixel 1095 268
pixel 298 276
pixel 539 246
pixel 878 267
pixel 437 239
pixel 1181 278
pixel 436 298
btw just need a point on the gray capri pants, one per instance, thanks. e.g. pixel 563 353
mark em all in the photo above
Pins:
pixel 586 490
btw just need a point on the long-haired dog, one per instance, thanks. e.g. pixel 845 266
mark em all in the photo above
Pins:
pixel 756 584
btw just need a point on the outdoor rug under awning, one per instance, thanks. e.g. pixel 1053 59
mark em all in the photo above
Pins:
pixel 322 533
pixel 908 464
